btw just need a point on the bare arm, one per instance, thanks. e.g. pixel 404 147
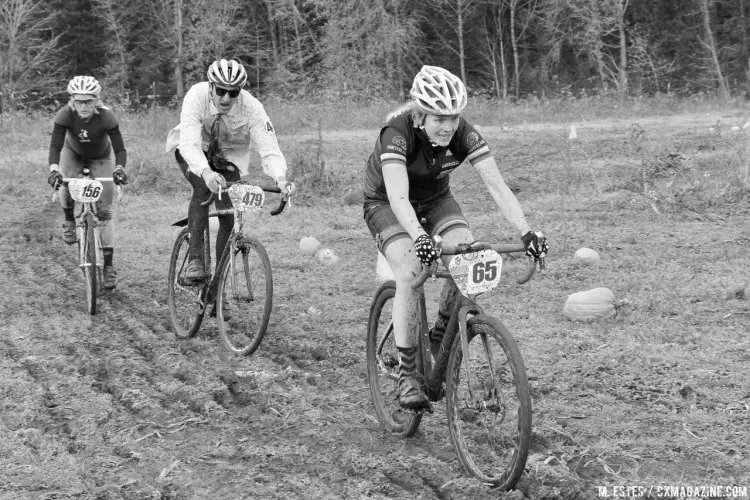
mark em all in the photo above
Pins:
pixel 397 186
pixel 504 198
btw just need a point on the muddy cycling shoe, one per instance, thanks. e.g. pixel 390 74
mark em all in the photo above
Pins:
pixel 227 311
pixel 109 278
pixel 194 271
pixel 411 396
pixel 69 232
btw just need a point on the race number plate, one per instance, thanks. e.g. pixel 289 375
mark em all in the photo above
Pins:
pixel 247 198
pixel 85 190
pixel 476 272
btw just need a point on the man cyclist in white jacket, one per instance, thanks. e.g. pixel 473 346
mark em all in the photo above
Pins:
pixel 218 123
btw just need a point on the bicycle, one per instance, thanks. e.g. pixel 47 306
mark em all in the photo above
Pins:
pixel 487 392
pixel 86 191
pixel 244 259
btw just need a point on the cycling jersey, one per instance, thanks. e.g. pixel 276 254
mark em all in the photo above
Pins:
pixel 92 140
pixel 246 123
pixel 428 167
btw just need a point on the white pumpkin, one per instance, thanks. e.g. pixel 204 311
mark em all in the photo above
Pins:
pixel 588 255
pixel 590 305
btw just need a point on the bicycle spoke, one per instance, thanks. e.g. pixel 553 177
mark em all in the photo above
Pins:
pixel 246 290
pixel 489 412
pixel 382 367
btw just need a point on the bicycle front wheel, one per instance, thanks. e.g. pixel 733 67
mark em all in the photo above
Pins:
pixel 244 296
pixel 186 299
pixel 382 366
pixel 488 403
pixel 89 263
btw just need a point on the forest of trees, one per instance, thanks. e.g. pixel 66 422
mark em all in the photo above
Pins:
pixel 354 49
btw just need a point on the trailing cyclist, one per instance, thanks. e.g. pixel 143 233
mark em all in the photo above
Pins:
pixel 86 133
pixel 218 123
pixel 408 201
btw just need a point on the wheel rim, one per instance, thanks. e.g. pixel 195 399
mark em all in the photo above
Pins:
pixel 185 299
pixel 489 422
pixel 382 368
pixel 245 297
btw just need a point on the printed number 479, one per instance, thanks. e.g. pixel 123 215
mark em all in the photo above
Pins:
pixel 484 271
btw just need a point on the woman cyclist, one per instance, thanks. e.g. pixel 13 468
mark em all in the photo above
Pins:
pixel 87 133
pixel 218 123
pixel 408 201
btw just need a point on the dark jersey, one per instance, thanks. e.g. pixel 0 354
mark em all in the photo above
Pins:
pixel 90 140
pixel 428 167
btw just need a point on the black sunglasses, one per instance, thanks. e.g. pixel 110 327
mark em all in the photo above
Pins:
pixel 232 93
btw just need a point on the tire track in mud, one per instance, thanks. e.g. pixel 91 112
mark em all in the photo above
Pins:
pixel 121 397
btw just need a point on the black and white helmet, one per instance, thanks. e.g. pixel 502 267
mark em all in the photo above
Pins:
pixel 437 91
pixel 227 73
pixel 87 85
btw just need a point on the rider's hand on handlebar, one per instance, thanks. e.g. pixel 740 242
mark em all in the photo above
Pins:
pixel 536 244
pixel 214 180
pixel 425 249
pixel 119 176
pixel 55 178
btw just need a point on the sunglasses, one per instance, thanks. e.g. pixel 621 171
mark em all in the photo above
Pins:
pixel 221 92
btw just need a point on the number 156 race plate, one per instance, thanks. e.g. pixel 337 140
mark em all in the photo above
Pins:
pixel 476 272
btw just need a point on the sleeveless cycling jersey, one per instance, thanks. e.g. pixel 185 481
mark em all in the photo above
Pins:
pixel 91 139
pixel 428 167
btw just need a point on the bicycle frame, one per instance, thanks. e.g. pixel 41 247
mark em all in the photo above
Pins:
pixel 88 209
pixel 462 308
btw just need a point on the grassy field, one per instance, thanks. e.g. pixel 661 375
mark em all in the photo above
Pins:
pixel 113 406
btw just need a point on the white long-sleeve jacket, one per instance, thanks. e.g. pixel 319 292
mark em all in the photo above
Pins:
pixel 245 124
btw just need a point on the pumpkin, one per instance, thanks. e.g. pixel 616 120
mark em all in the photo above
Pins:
pixel 590 305
pixel 588 255
pixel 309 246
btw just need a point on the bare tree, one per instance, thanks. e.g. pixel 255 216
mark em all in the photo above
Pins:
pixel 517 33
pixel 709 44
pixel 27 49
pixel 116 15
pixel 168 15
pixel 457 13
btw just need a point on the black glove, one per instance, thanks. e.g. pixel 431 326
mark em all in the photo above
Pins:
pixel 119 176
pixel 425 248
pixel 55 179
pixel 536 244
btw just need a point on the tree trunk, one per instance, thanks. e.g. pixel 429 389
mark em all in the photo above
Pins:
pixel 514 45
pixel 622 74
pixel 178 76
pixel 710 45
pixel 461 54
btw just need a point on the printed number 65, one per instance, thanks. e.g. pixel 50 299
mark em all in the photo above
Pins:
pixel 484 271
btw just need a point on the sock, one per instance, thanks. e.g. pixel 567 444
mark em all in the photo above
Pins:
pixel 437 331
pixel 108 251
pixel 69 214
pixel 407 357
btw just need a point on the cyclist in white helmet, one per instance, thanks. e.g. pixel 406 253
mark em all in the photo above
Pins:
pixel 86 133
pixel 408 201
pixel 219 122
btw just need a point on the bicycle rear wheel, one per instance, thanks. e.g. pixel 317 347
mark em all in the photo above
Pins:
pixel 89 262
pixel 244 296
pixel 382 366
pixel 489 406
pixel 186 299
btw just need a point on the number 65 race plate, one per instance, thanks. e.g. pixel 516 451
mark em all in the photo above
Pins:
pixel 476 272
pixel 246 198
pixel 85 190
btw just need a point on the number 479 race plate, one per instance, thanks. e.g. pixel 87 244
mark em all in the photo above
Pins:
pixel 476 272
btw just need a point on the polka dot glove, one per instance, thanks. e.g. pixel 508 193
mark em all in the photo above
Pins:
pixel 536 244
pixel 425 249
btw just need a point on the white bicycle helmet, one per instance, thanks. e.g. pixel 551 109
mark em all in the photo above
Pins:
pixel 87 85
pixel 437 91
pixel 227 73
